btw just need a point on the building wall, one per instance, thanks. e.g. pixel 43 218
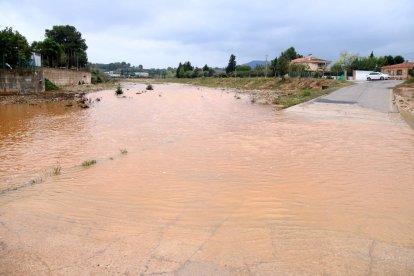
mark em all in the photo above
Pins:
pixel 361 74
pixel 21 81
pixel 398 73
pixel 63 77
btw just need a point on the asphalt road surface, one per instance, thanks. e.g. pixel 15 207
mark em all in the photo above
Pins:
pixel 376 95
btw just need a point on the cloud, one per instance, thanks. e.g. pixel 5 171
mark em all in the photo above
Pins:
pixel 162 33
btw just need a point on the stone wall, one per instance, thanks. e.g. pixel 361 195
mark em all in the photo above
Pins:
pixel 63 77
pixel 21 81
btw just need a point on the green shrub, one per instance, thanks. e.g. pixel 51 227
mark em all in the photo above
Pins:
pixel 149 87
pixel 50 85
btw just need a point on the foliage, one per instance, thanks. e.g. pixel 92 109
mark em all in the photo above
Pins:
pixel 273 67
pixel 232 64
pixel 14 48
pixel 282 66
pixel 279 66
pixel 398 60
pixel 72 43
pixel 51 51
pixel 373 63
pixel 186 70
pixel 50 85
pixel 119 90
pixel 291 54
pixel 149 87
pixel 97 75
pixel 88 163
pixel 240 68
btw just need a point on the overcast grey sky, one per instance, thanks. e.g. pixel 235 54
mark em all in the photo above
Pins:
pixel 160 33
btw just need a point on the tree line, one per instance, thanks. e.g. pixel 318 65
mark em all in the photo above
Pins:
pixel 63 46
pixel 281 66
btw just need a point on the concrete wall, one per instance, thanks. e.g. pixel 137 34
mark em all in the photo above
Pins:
pixel 21 81
pixel 62 77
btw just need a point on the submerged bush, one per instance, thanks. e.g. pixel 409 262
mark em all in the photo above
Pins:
pixel 119 90
pixel 88 163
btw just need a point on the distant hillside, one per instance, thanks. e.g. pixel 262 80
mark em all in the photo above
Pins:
pixel 254 63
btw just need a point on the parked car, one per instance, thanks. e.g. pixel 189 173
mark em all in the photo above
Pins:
pixel 377 76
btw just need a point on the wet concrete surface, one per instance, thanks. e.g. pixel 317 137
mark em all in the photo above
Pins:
pixel 211 185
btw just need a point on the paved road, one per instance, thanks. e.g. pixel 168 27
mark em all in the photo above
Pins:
pixel 375 95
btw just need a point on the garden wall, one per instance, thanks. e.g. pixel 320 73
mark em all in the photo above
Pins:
pixel 63 77
pixel 21 81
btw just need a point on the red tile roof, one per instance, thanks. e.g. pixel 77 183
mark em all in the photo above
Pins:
pixel 310 59
pixel 400 65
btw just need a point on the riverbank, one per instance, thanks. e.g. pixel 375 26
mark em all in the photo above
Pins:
pixel 70 94
pixel 404 99
pixel 277 92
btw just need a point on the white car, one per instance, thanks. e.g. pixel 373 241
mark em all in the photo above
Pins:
pixel 377 76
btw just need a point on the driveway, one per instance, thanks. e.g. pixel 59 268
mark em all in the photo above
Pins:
pixel 376 95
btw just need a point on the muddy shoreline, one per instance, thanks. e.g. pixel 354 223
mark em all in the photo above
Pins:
pixel 73 95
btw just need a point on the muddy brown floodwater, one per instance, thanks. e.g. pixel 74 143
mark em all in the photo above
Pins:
pixel 211 185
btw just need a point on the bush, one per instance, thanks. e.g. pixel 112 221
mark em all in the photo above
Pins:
pixel 98 76
pixel 50 85
pixel 119 90
pixel 88 163
pixel 149 87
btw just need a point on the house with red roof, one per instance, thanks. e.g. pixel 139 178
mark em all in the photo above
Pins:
pixel 312 63
pixel 398 71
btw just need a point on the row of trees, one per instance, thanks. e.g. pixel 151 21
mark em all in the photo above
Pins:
pixel 186 70
pixel 349 62
pixel 63 46
pixel 279 66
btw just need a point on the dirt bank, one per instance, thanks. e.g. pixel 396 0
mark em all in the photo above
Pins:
pixel 71 94
pixel 280 93
pixel 404 98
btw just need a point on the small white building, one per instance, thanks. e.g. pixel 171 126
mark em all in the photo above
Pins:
pixel 141 74
pixel 361 74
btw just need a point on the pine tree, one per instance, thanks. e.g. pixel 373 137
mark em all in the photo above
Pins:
pixel 231 67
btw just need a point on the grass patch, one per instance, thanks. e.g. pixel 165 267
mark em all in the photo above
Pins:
pixel 88 163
